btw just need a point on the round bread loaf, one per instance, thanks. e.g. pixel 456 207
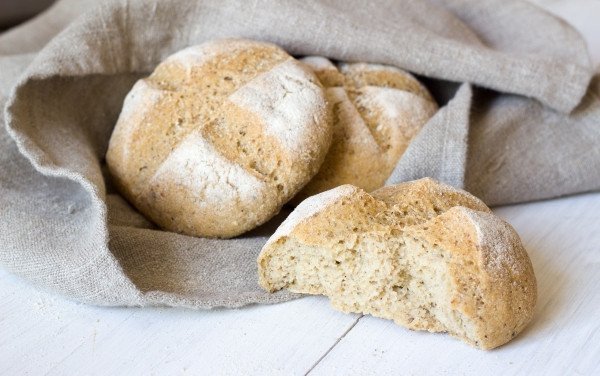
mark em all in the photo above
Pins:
pixel 219 137
pixel 426 255
pixel 377 111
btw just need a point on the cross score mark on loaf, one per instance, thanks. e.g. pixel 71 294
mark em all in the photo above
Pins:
pixel 377 110
pixel 219 137
pixel 283 100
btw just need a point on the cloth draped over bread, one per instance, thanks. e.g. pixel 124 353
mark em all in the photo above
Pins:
pixel 519 121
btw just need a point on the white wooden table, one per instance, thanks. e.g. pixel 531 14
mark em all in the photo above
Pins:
pixel 45 334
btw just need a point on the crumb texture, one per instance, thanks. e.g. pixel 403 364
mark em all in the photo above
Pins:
pixel 423 254
pixel 219 137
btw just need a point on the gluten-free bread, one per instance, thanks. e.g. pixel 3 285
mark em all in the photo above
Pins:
pixel 219 137
pixel 423 254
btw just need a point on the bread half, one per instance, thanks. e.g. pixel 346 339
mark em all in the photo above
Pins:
pixel 426 255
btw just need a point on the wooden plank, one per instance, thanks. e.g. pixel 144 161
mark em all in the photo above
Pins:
pixel 43 334
pixel 563 241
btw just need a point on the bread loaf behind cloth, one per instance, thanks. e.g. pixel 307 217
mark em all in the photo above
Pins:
pixel 377 110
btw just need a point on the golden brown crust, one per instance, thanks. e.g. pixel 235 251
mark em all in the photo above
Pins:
pixel 491 284
pixel 377 111
pixel 493 277
pixel 219 137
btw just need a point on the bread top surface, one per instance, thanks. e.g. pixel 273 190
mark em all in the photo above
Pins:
pixel 401 205
pixel 245 110
pixel 493 280
pixel 377 111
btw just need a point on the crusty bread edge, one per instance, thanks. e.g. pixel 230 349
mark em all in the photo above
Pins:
pixel 501 265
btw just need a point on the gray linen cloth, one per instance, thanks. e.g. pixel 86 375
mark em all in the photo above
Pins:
pixel 519 121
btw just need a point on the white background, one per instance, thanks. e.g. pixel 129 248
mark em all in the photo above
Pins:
pixel 45 334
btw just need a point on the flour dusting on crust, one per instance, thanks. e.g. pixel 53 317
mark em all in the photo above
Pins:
pixel 286 99
pixel 378 110
pixel 138 102
pixel 396 104
pixel 310 207
pixel 354 127
pixel 371 67
pixel 197 56
pixel 501 246
pixel 319 64
pixel 203 173
pixel 219 137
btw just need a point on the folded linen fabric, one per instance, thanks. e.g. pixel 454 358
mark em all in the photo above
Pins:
pixel 519 121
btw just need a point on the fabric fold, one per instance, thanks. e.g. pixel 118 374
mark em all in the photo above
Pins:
pixel 440 148
pixel 512 126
